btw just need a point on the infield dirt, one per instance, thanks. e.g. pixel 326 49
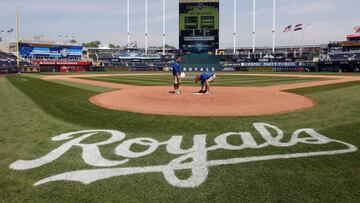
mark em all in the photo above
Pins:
pixel 223 101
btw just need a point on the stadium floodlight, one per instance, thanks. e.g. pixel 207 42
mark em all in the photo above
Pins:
pixel 235 16
pixel 146 26
pixel 254 25
pixel 164 28
pixel 274 26
pixel 17 39
pixel 128 22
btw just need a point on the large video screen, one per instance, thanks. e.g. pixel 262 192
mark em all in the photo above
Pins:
pixel 52 51
pixel 199 25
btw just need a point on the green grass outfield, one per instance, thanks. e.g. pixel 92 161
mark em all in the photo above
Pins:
pixel 32 111
pixel 146 72
pixel 221 80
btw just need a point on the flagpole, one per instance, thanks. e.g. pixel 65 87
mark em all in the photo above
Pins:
pixel 164 28
pixel 292 41
pixel 235 17
pixel 254 25
pixel 274 26
pixel 128 22
pixel 302 42
pixel 3 38
pixel 314 37
pixel 146 26
pixel 17 39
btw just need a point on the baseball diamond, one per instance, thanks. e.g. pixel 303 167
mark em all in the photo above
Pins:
pixel 225 101
pixel 180 101
pixel 177 152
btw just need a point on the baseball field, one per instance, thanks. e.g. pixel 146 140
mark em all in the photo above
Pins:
pixel 127 138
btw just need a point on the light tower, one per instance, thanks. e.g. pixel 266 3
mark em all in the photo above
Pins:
pixel 128 22
pixel 164 28
pixel 17 39
pixel 254 25
pixel 274 26
pixel 146 26
pixel 235 16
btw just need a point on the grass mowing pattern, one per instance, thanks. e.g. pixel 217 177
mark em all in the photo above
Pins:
pixel 83 86
pixel 161 72
pixel 324 88
pixel 221 80
pixel 41 109
pixel 87 73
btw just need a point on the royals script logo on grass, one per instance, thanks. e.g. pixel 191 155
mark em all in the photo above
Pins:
pixel 194 158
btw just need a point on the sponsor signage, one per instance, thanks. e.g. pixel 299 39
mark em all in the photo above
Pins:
pixel 262 64
pixel 63 63
pixel 189 39
pixel 30 70
pixel 261 69
pixel 198 69
pixel 54 51
pixel 194 159
pixel 307 64
pixel 269 64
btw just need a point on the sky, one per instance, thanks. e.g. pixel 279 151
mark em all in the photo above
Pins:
pixel 105 20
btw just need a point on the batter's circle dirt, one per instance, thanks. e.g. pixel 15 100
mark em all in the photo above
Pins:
pixel 223 101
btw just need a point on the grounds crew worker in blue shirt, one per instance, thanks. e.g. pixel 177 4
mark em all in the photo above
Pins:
pixel 176 73
pixel 205 79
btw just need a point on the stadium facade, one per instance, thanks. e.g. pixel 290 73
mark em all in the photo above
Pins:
pixel 198 44
pixel 50 56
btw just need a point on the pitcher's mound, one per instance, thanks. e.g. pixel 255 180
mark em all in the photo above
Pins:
pixel 223 101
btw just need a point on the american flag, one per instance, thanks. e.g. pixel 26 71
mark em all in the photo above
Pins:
pixel 288 29
pixel 357 29
pixel 298 27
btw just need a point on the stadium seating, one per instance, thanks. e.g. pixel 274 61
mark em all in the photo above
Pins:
pixel 104 56
pixel 8 63
pixel 341 56
pixel 356 57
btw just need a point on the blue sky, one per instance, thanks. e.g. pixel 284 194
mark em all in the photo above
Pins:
pixel 106 20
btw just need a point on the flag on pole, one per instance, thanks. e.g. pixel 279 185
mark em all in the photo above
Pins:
pixel 357 29
pixel 288 29
pixel 298 27
pixel 11 30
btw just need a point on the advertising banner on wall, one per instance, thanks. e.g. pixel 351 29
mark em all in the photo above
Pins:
pixel 53 51
pixel 199 26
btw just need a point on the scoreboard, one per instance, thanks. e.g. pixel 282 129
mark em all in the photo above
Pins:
pixel 198 26
pixel 49 50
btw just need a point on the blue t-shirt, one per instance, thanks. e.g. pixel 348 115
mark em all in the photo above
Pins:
pixel 176 68
pixel 205 76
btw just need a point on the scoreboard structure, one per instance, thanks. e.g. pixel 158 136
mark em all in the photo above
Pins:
pixel 198 26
